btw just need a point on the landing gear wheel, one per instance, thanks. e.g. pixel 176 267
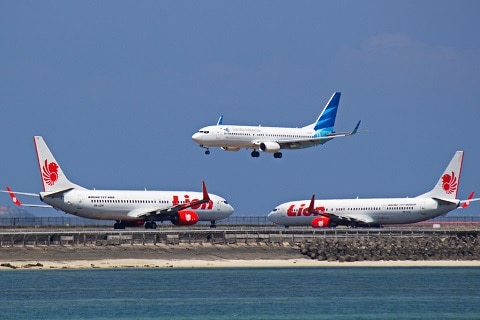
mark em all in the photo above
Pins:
pixel 150 225
pixel 255 154
pixel 207 151
pixel 212 224
pixel 119 225
pixel 277 155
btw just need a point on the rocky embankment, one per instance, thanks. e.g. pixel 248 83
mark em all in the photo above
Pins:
pixel 465 247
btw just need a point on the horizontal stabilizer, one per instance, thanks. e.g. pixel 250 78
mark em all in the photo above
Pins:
pixel 344 134
pixel 465 203
pixel 19 203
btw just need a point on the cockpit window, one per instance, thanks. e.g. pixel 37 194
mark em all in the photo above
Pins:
pixel 225 201
pixel 204 131
pixel 276 209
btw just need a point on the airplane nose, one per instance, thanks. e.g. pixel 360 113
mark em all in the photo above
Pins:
pixel 196 137
pixel 229 208
pixel 272 216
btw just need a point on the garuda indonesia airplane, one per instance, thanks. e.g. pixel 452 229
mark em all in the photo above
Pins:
pixel 273 139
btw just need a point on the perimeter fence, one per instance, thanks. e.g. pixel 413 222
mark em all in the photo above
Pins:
pixel 459 222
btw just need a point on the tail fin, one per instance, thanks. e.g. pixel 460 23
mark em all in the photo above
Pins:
pixel 53 178
pixel 449 182
pixel 326 119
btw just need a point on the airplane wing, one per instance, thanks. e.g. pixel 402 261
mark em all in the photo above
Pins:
pixel 167 212
pixel 314 141
pixel 302 143
pixel 339 218
pixel 19 203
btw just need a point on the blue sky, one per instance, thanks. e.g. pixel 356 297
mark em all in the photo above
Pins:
pixel 117 88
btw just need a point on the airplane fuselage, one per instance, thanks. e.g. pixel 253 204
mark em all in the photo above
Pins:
pixel 369 211
pixel 123 205
pixel 233 138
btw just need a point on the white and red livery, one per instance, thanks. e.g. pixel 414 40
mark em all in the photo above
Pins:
pixel 376 212
pixel 127 207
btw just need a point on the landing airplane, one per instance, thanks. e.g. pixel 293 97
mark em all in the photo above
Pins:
pixel 128 208
pixel 273 139
pixel 376 212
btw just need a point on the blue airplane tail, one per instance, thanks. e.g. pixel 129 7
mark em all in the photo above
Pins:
pixel 326 119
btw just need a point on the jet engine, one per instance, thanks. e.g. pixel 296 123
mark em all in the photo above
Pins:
pixel 185 218
pixel 321 222
pixel 269 146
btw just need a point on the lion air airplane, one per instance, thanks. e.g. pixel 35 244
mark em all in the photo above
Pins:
pixel 375 212
pixel 128 208
pixel 273 139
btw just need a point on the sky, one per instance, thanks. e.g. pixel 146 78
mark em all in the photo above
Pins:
pixel 117 88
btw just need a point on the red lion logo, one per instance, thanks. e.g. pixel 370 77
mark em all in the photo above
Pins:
pixel 449 183
pixel 50 173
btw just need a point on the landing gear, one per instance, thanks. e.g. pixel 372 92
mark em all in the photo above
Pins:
pixel 119 225
pixel 277 155
pixel 255 154
pixel 206 151
pixel 150 225
pixel 212 224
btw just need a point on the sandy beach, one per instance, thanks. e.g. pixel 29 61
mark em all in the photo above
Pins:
pixel 182 256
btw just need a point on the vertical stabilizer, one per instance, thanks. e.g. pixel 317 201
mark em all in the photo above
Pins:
pixel 51 174
pixel 326 119
pixel 449 182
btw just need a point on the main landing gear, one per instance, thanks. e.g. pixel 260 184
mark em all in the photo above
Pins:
pixel 119 225
pixel 256 154
pixel 150 225
pixel 212 224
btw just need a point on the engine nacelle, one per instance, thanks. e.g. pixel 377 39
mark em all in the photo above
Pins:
pixel 321 222
pixel 229 148
pixel 137 223
pixel 185 218
pixel 269 146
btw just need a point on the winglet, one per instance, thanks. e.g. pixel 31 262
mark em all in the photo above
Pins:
pixel 13 196
pixel 206 197
pixel 356 128
pixel 311 208
pixel 220 121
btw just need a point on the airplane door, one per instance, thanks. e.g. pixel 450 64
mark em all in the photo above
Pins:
pixel 80 202
pixel 219 134
pixel 422 208
pixel 383 210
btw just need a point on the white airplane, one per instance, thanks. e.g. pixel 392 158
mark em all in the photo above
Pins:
pixel 128 208
pixel 376 212
pixel 273 139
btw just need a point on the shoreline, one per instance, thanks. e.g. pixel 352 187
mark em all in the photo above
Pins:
pixel 186 256
pixel 224 263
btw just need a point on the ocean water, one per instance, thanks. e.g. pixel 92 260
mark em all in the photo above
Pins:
pixel 243 293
